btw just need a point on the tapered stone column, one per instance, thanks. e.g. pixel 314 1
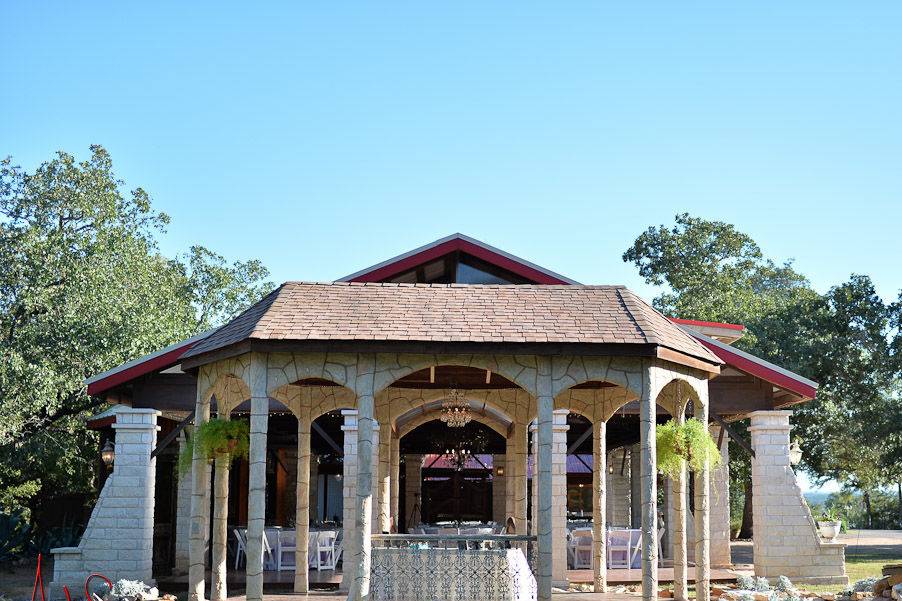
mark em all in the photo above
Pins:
pixel 220 521
pixel 678 528
pixel 649 490
pixel 256 496
pixel 349 495
pixel 413 486
pixel 302 508
pixel 200 504
pixel 702 515
pixel 545 402
pixel 182 513
pixel 559 498
pixel 362 560
pixel 384 494
pixel 720 503
pixel 599 503
pixel 395 481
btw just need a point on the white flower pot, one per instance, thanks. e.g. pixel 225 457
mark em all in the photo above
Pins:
pixel 829 529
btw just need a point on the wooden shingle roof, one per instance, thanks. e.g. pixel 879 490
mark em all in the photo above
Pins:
pixel 454 313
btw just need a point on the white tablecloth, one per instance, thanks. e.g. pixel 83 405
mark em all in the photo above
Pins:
pixel 411 574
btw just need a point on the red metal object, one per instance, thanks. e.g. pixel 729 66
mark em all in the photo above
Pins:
pixel 39 583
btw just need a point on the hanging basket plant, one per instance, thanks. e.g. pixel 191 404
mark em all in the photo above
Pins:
pixel 688 442
pixel 216 438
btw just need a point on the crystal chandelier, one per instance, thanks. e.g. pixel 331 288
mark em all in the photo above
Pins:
pixel 458 457
pixel 456 409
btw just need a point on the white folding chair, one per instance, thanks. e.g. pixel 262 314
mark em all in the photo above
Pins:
pixel 268 558
pixel 287 546
pixel 582 549
pixel 325 551
pixel 241 548
pixel 620 549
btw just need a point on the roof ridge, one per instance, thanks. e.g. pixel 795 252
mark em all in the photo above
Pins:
pixel 631 315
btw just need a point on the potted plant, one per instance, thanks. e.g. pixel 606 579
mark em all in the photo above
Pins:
pixel 216 438
pixel 688 443
pixel 829 524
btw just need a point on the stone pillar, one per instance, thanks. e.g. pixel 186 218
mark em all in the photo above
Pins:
pixel 182 513
pixel 781 513
pixel 677 520
pixel 544 471
pixel 222 463
pixel 384 494
pixel 534 483
pixel 619 495
pixel 118 540
pixel 649 489
pixel 599 503
pixel 302 508
pixel 395 481
pixel 256 496
pixel 720 504
pixel 517 454
pixel 200 507
pixel 702 513
pixel 413 486
pixel 559 498
pixel 361 562
pixel 499 490
pixel 349 494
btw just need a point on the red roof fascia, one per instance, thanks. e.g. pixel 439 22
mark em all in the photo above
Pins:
pixel 761 371
pixel 120 377
pixel 458 245
pixel 710 324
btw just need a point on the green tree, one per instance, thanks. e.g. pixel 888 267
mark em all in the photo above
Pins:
pixel 847 339
pixel 83 288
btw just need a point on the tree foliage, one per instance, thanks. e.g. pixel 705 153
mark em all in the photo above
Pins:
pixel 83 288
pixel 846 339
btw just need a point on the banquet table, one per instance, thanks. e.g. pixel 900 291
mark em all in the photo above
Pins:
pixel 287 536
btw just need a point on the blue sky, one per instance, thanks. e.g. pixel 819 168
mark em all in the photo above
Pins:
pixel 322 137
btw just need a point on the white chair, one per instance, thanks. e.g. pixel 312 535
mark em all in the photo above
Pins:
pixel 581 542
pixel 620 549
pixel 268 558
pixel 241 548
pixel 325 551
pixel 287 546
pixel 660 546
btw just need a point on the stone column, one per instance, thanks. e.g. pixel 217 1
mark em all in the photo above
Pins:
pixel 720 504
pixel 517 458
pixel 395 481
pixel 649 489
pixel 349 495
pixel 534 483
pixel 599 503
pixel 413 486
pixel 182 513
pixel 702 514
pixel 678 528
pixel 559 498
pixel 220 520
pixel 384 495
pixel 361 562
pixel 499 490
pixel 545 541
pixel 302 508
pixel 256 496
pixel 200 507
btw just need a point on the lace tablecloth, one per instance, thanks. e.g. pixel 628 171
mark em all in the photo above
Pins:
pixel 437 574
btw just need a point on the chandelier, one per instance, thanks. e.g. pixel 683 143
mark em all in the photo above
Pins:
pixel 458 457
pixel 456 409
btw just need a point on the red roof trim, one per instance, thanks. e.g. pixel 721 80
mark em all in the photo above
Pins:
pixel 710 324
pixel 153 364
pixel 458 244
pixel 103 422
pixel 761 371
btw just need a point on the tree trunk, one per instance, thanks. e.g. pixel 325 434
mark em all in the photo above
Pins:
pixel 867 508
pixel 748 526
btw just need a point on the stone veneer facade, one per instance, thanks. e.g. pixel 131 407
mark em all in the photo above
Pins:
pixel 786 540
pixel 118 540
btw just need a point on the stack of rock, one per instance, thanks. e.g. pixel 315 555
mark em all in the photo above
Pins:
pixel 890 586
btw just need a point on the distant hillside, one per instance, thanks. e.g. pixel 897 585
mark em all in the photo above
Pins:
pixel 816 497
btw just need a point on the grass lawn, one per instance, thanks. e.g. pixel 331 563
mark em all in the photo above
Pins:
pixel 863 563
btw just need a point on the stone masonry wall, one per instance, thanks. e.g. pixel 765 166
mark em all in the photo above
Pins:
pixel 118 540
pixel 786 541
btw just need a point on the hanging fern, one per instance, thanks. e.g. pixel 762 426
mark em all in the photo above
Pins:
pixel 689 442
pixel 215 437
